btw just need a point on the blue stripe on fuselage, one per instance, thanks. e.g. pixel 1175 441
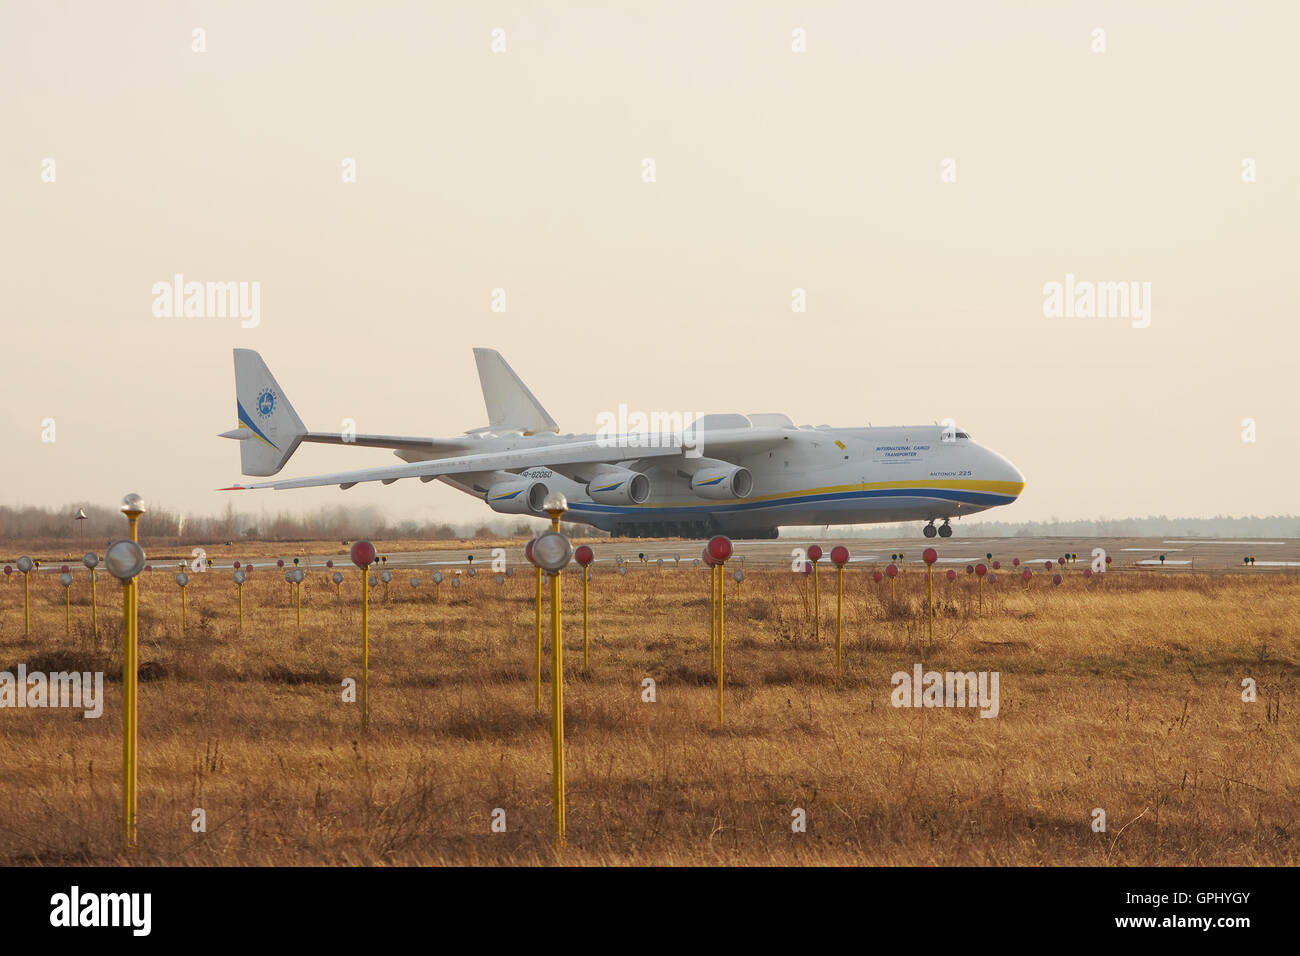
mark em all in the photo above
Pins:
pixel 661 513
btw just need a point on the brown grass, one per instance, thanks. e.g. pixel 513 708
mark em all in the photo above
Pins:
pixel 1124 695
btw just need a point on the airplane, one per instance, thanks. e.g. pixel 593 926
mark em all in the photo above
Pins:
pixel 741 475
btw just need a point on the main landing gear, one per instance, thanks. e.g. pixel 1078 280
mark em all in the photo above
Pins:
pixel 943 531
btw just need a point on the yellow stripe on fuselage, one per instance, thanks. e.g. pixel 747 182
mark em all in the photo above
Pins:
pixel 1010 488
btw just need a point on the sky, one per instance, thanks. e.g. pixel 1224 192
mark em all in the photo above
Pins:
pixel 921 171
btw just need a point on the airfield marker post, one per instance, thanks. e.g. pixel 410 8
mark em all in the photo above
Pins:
pixel 584 556
pixel 713 612
pixel 839 557
pixel 537 647
pixel 66 580
pixel 980 571
pixel 930 556
pixel 25 565
pixel 815 556
pixel 238 578
pixel 720 549
pixel 363 554
pixel 551 552
pixel 125 560
pixel 182 579
pixel 90 560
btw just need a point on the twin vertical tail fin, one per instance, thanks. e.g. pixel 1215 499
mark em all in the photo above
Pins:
pixel 269 429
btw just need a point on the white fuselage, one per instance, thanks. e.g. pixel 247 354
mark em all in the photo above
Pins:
pixel 807 476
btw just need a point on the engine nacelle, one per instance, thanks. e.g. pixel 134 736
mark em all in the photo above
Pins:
pixel 522 497
pixel 619 486
pixel 721 480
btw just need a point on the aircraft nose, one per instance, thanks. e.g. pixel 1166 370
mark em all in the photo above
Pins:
pixel 1007 474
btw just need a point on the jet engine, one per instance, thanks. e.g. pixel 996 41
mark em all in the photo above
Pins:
pixel 519 497
pixel 720 480
pixel 619 486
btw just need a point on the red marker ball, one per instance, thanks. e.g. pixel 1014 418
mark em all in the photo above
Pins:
pixel 839 555
pixel 584 555
pixel 877 576
pixel 981 570
pixel 929 555
pixel 1015 562
pixel 997 565
pixel 362 554
pixel 892 570
pixel 951 574
pixel 814 552
pixel 1056 579
pixel 720 547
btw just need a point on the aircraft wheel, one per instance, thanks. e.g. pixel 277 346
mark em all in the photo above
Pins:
pixel 929 530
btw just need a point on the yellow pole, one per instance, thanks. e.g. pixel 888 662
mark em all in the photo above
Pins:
pixel 713 617
pixel 240 588
pixel 94 608
pixel 365 650
pixel 27 604
pixel 584 620
pixel 817 616
pixel 929 596
pixel 557 710
pixel 182 612
pixel 839 618
pixel 297 587
pixel 127 790
pixel 131 655
pixel 67 612
pixel 721 603
pixel 537 657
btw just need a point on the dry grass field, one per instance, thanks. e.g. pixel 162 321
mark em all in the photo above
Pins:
pixel 1123 694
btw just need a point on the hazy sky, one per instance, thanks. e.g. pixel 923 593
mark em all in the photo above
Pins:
pixel 775 170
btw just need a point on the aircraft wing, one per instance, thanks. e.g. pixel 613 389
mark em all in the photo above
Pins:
pixel 535 455
pixel 429 447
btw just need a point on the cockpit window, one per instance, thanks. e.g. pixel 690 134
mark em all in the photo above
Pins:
pixel 963 435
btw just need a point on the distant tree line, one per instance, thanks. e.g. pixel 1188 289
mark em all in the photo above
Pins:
pixel 163 524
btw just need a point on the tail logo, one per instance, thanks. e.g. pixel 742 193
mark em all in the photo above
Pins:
pixel 265 403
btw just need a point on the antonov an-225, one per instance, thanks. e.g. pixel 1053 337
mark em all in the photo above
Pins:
pixel 742 475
